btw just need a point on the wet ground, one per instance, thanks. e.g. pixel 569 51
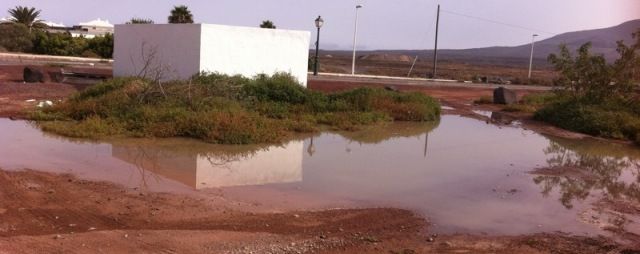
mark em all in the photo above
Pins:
pixel 462 174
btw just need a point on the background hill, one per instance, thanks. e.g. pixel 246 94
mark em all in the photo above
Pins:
pixel 603 40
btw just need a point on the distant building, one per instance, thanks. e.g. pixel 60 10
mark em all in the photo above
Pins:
pixel 92 29
pixel 55 27
pixel 89 29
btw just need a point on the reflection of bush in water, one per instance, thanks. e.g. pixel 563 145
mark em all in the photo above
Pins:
pixel 174 146
pixel 380 133
pixel 603 163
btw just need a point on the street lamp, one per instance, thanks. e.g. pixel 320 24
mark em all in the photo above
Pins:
pixel 319 23
pixel 355 39
pixel 533 41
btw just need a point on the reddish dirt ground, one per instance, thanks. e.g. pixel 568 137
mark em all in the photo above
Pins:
pixel 16 97
pixel 42 212
pixel 399 66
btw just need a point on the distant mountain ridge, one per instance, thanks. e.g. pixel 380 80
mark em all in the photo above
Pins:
pixel 603 42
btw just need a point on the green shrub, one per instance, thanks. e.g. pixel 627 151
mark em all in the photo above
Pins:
pixel 593 119
pixel 532 102
pixel 519 108
pixel 279 88
pixel 102 46
pixel 230 110
pixel 539 99
pixel 106 87
pixel 597 97
pixel 60 44
pixel 19 38
pixel 399 106
pixel 15 37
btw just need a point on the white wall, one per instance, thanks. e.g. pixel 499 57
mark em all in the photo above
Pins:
pixel 186 49
pixel 250 51
pixel 177 47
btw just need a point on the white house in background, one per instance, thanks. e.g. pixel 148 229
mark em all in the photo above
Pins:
pixel 51 24
pixel 53 27
pixel 181 50
pixel 58 26
pixel 92 29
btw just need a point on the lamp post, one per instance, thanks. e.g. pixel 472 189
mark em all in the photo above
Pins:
pixel 311 149
pixel 533 41
pixel 355 40
pixel 319 22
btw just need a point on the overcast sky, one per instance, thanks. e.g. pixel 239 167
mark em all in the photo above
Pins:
pixel 384 24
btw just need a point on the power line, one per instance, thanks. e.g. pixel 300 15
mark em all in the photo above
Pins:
pixel 499 22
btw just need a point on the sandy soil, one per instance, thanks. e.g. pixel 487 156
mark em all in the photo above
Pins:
pixel 399 66
pixel 47 213
pixel 16 97
pixel 42 212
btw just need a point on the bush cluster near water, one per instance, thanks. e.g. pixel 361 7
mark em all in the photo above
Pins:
pixel 618 119
pixel 227 110
pixel 615 118
pixel 592 96
pixel 595 97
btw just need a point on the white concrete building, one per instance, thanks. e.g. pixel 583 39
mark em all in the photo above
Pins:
pixel 92 29
pixel 179 51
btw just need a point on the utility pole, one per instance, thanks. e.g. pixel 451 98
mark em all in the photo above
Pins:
pixel 426 143
pixel 355 40
pixel 435 49
pixel 533 41
pixel 412 65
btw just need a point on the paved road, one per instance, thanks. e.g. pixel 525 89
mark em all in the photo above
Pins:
pixel 21 58
pixel 417 82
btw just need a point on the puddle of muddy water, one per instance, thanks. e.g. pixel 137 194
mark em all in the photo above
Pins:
pixel 463 174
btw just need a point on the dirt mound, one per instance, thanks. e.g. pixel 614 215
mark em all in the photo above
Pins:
pixel 387 58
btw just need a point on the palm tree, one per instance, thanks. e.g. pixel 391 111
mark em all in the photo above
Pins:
pixel 26 16
pixel 140 21
pixel 180 14
pixel 267 24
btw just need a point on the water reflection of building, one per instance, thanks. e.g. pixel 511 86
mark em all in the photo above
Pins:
pixel 200 170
